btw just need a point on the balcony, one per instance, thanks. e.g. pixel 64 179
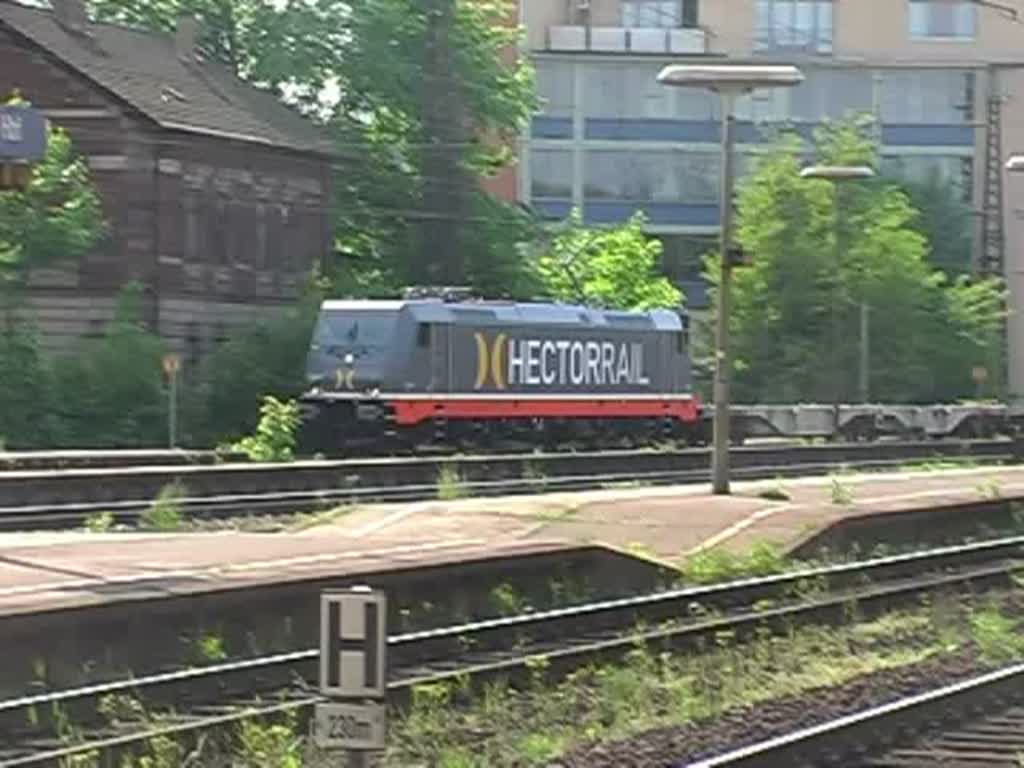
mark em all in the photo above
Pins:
pixel 682 40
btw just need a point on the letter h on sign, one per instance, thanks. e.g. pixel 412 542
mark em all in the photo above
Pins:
pixel 353 644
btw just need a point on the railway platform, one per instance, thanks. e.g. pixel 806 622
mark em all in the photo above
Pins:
pixel 50 571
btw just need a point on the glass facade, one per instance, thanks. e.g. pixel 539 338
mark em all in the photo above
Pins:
pixel 555 87
pixel 631 90
pixel 794 24
pixel 646 14
pixel 926 96
pixel 831 94
pixel 942 19
pixel 656 176
pixel 641 145
pixel 550 173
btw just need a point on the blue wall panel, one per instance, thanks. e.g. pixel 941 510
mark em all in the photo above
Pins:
pixel 552 209
pixel 679 214
pixel 551 127
pixel 928 135
pixel 697 131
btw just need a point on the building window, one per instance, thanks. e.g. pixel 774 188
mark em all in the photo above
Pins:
pixel 794 24
pixel 831 94
pixel 626 91
pixel 652 177
pixel 550 174
pixel 932 170
pixel 646 14
pixel 195 235
pixel 555 87
pixel 274 236
pixel 216 237
pixel 927 96
pixel 942 19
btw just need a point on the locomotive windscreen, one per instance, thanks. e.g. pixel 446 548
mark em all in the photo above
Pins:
pixel 350 346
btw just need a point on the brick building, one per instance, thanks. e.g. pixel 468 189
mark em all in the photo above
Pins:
pixel 215 193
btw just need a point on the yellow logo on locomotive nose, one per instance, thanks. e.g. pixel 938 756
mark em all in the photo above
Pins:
pixel 490 361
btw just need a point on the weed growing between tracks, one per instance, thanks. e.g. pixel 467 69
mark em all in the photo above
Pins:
pixel 165 514
pixel 450 485
pixel 715 565
pixel 448 727
pixel 594 716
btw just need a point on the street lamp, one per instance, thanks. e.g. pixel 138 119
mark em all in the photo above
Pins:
pixel 1015 164
pixel 838 174
pixel 729 81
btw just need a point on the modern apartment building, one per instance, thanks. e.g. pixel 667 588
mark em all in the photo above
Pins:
pixel 944 78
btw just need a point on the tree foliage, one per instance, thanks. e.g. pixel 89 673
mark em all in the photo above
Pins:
pixel 110 390
pixel 429 105
pixel 290 46
pixel 57 217
pixel 945 220
pixel 795 315
pixel 615 268
pixel 270 358
pixel 422 101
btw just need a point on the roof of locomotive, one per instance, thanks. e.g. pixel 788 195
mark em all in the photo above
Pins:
pixel 515 313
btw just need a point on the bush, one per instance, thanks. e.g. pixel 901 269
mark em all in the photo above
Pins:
pixel 269 359
pixel 111 392
pixel 27 418
pixel 274 439
pixel 165 514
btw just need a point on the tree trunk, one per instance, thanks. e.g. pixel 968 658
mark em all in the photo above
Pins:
pixel 441 260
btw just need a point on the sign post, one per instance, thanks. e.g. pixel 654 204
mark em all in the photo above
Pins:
pixel 172 364
pixel 22 144
pixel 353 674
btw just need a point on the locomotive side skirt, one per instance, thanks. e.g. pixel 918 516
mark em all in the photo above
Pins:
pixel 412 409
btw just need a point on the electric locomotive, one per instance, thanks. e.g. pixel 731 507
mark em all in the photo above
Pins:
pixel 469 374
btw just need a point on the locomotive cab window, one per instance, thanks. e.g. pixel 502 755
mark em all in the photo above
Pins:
pixel 423 335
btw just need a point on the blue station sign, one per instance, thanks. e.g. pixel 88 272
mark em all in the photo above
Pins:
pixel 22 134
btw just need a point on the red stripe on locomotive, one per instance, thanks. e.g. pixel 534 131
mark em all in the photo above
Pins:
pixel 409 412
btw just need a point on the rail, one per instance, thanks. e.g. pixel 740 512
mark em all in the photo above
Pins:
pixel 857 733
pixel 67 497
pixel 222 694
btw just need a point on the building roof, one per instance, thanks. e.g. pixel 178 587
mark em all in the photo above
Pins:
pixel 144 70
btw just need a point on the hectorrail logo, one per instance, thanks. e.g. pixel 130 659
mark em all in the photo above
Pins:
pixel 489 361
pixel 558 362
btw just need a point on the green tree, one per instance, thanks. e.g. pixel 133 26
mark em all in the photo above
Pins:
pixel 27 418
pixel 293 47
pixel 269 359
pixel 431 105
pixel 926 333
pixel 945 220
pixel 615 268
pixel 57 217
pixel 427 104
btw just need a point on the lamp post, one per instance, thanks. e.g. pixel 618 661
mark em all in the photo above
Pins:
pixel 729 81
pixel 837 174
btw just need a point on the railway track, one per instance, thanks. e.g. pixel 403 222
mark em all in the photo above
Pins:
pixel 119 457
pixel 976 722
pixel 55 498
pixel 193 701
